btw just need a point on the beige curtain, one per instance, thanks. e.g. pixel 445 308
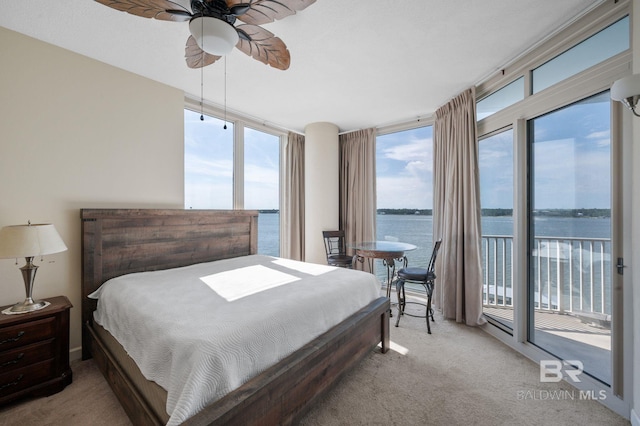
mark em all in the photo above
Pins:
pixel 358 186
pixel 293 208
pixel 456 213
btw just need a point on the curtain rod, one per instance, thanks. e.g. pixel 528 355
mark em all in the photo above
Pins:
pixel 233 114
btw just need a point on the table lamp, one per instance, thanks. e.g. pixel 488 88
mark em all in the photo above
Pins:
pixel 29 241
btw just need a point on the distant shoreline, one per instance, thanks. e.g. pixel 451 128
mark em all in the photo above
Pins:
pixel 509 212
pixel 592 213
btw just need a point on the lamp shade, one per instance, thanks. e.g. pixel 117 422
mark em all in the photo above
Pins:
pixel 29 240
pixel 213 35
pixel 626 87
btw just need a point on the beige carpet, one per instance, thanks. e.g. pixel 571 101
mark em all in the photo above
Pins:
pixel 456 376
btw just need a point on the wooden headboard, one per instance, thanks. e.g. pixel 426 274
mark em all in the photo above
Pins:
pixel 121 241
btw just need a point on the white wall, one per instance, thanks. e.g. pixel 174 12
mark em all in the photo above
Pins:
pixel 321 187
pixel 78 133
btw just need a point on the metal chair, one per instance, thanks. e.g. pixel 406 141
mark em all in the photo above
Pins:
pixel 422 276
pixel 335 247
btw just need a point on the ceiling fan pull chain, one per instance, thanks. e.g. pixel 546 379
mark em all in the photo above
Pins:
pixel 225 92
pixel 201 94
pixel 202 81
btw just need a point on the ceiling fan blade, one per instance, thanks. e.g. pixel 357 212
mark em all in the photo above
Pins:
pixel 264 11
pixel 165 10
pixel 262 45
pixel 239 9
pixel 175 16
pixel 196 57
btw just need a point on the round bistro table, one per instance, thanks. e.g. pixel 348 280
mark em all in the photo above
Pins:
pixel 389 252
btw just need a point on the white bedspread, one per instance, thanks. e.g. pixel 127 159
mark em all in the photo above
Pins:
pixel 202 331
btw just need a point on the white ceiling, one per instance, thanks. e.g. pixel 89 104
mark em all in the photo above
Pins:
pixel 357 63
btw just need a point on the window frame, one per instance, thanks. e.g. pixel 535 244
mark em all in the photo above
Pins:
pixel 241 122
pixel 421 253
pixel 582 85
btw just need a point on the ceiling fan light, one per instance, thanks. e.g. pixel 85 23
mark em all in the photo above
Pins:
pixel 213 35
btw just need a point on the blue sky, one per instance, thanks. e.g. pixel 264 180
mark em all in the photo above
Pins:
pixel 571 163
pixel 404 165
pixel 495 159
pixel 572 148
pixel 209 165
pixel 208 162
pixel 571 154
pixel 261 170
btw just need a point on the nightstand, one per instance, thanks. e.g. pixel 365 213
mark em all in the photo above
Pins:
pixel 34 351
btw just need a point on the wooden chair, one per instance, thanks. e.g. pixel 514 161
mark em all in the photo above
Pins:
pixel 426 278
pixel 335 247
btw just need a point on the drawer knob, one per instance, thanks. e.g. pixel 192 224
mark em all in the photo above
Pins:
pixel 15 361
pixel 8 385
pixel 13 339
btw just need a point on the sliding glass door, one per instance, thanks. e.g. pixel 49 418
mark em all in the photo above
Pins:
pixel 495 159
pixel 569 284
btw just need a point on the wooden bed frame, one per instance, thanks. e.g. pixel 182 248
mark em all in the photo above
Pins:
pixel 121 241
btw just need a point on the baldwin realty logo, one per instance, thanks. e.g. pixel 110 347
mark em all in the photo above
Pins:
pixel 553 371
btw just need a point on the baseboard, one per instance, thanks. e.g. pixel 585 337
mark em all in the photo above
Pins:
pixel 75 354
pixel 635 418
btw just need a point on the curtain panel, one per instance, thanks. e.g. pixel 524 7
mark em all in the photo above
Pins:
pixel 456 213
pixel 293 208
pixel 358 187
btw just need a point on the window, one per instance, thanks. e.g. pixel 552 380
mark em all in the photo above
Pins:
pixel 262 186
pixel 404 187
pixel 500 99
pixel 208 162
pixel 495 160
pixel 218 169
pixel 603 45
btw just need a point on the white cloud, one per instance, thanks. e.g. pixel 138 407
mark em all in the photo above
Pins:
pixel 403 192
pixel 195 165
pixel 404 171
pixel 209 195
pixel 261 187
pixel 416 149
pixel 602 139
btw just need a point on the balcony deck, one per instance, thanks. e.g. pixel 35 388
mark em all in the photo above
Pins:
pixel 571 283
pixel 568 337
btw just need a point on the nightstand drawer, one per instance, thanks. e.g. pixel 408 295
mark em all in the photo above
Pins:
pixel 34 352
pixel 26 355
pixel 23 334
pixel 25 377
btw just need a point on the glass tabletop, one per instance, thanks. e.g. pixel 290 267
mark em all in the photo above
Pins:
pixel 385 246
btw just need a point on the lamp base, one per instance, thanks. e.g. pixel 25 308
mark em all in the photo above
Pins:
pixel 27 306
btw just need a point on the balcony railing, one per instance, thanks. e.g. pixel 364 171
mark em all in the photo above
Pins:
pixel 569 275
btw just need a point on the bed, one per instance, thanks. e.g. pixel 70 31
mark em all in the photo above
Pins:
pixel 117 242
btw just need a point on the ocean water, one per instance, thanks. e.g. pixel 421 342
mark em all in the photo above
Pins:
pixel 269 234
pixel 417 230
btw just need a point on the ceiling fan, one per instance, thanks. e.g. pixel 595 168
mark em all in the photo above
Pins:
pixel 213 33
